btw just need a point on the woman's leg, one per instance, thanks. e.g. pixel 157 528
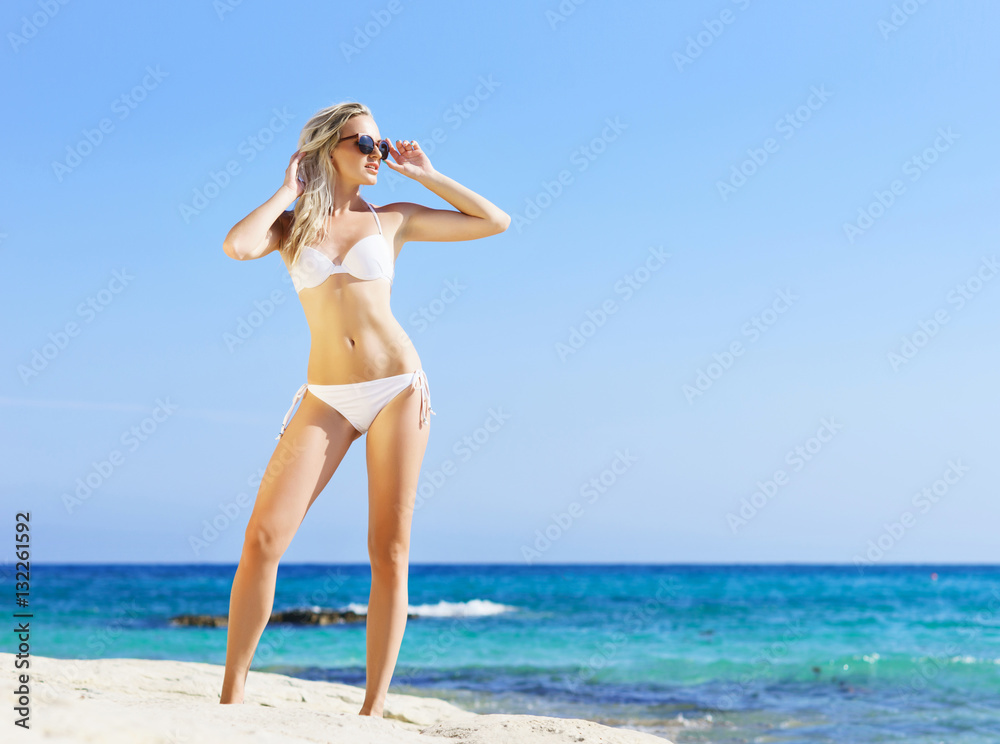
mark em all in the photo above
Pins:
pixel 308 453
pixel 397 441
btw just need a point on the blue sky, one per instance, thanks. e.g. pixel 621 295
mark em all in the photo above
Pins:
pixel 740 228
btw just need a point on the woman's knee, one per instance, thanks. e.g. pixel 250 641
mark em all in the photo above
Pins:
pixel 264 541
pixel 389 558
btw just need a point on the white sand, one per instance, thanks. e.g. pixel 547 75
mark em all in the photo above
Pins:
pixel 133 701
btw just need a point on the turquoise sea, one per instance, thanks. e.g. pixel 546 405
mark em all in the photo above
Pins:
pixel 694 653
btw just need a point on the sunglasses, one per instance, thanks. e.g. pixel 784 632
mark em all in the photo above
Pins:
pixel 366 144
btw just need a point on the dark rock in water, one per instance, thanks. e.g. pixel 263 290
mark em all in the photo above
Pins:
pixel 311 617
pixel 211 621
pixel 293 617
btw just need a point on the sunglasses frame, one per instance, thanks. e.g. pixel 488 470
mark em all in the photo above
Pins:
pixel 368 147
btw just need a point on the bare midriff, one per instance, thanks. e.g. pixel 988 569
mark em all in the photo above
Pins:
pixel 355 336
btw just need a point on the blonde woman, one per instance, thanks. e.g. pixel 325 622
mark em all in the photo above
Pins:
pixel 364 375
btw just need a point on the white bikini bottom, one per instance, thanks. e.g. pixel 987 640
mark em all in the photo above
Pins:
pixel 360 402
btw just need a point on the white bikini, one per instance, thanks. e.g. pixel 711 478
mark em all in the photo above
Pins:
pixel 373 261
pixel 370 258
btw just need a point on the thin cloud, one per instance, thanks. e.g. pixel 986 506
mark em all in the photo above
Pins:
pixel 207 414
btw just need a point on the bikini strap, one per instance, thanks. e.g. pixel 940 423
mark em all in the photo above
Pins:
pixel 377 222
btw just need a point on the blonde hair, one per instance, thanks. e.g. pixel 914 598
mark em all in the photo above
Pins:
pixel 316 142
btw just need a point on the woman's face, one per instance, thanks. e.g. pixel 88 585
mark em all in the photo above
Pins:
pixel 349 162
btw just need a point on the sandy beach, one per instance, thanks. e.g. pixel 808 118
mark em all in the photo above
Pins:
pixel 133 701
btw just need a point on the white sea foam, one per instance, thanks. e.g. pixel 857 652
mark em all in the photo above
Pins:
pixel 965 659
pixel 472 608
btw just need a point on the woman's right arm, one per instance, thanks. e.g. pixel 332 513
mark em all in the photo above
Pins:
pixel 261 231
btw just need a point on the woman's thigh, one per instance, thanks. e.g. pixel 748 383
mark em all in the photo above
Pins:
pixel 304 460
pixel 397 441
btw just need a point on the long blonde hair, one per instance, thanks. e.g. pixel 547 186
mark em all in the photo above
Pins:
pixel 316 142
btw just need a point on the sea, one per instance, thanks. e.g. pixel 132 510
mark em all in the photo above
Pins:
pixel 692 653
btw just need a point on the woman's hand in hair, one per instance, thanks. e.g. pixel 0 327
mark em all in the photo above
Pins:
pixel 292 181
pixel 412 161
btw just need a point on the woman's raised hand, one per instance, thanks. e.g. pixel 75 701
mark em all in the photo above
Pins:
pixel 413 162
pixel 292 181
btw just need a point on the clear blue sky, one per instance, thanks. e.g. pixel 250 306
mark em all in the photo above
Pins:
pixel 871 208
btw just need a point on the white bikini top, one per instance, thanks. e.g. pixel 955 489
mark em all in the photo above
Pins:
pixel 369 258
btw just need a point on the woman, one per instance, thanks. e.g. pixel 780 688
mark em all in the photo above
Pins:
pixel 364 374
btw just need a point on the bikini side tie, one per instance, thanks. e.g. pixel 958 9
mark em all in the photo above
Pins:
pixel 420 381
pixel 298 396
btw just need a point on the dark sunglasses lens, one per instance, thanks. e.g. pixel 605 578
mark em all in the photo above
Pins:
pixel 383 147
pixel 365 144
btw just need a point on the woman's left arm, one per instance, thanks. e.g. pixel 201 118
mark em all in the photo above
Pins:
pixel 477 217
